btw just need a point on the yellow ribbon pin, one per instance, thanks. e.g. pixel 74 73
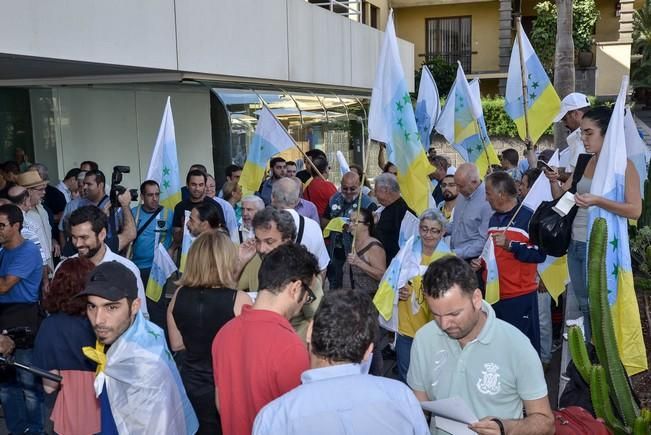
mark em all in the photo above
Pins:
pixel 96 354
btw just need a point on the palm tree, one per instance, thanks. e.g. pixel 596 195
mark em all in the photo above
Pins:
pixel 563 62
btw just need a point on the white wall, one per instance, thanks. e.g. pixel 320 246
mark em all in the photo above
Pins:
pixel 280 40
pixel 118 126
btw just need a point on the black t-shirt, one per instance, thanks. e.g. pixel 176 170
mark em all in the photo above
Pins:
pixel 387 230
pixel 181 207
pixel 54 199
pixel 303 175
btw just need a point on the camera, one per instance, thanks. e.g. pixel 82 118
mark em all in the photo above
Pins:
pixel 116 188
pixel 23 336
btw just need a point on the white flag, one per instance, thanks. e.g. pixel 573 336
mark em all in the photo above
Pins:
pixel 428 106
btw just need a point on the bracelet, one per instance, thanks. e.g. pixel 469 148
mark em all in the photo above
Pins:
pixel 500 424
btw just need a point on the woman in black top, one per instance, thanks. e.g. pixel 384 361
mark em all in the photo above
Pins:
pixel 203 303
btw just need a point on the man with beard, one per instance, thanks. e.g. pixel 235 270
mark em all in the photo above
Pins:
pixel 467 352
pixel 205 217
pixel 450 193
pixel 139 384
pixel 88 231
pixel 277 165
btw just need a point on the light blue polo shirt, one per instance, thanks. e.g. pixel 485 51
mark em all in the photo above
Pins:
pixel 493 374
pixel 143 246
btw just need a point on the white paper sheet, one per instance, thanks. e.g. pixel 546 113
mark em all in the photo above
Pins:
pixel 452 415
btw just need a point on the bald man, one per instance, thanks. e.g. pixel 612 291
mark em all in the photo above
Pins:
pixel 471 214
pixel 342 204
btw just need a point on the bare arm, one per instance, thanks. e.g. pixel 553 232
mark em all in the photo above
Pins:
pixel 51 386
pixel 176 339
pixel 377 259
pixel 216 397
pixel 381 157
pixel 128 233
pixel 421 395
pixel 7 282
pixel 241 299
pixel 539 421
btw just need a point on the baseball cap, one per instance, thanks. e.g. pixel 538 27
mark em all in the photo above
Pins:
pixel 112 281
pixel 573 101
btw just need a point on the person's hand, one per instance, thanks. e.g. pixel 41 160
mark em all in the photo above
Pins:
pixel 247 251
pixel 499 239
pixel 124 199
pixel 352 259
pixel 475 264
pixel 485 426
pixel 404 292
pixel 56 249
pixel 6 345
pixel 552 176
pixel 586 199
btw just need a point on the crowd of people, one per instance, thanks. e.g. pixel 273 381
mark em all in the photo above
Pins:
pixel 273 325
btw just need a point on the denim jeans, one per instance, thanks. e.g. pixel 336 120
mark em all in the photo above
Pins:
pixel 22 398
pixel 577 267
pixel 545 319
pixel 403 355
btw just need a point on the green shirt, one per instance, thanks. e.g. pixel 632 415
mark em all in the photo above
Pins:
pixel 493 374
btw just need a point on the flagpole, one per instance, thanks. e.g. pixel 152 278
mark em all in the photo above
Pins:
pixel 489 169
pixel 523 79
pixel 359 199
pixel 130 248
pixel 305 156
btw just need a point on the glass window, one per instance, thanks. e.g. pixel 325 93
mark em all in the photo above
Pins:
pixel 449 38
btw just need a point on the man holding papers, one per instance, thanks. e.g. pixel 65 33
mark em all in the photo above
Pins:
pixel 467 353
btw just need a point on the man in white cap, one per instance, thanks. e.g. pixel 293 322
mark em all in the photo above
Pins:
pixel 573 107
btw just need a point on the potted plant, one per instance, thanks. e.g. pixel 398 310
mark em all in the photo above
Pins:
pixel 585 15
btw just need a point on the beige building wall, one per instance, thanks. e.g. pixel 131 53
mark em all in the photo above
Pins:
pixel 410 25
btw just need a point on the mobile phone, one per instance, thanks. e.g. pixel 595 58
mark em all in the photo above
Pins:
pixel 544 166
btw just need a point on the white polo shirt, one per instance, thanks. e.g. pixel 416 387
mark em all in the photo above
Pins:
pixel 312 239
pixel 493 374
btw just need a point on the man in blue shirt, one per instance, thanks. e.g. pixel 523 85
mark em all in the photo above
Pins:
pixel 20 279
pixel 337 396
pixel 153 226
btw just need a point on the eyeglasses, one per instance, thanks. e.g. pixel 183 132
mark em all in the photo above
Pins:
pixel 311 297
pixel 40 189
pixel 432 231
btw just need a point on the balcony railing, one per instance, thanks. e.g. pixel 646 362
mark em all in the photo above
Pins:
pixel 351 8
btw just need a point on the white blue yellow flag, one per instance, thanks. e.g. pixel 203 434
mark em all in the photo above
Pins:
pixel 543 103
pixel 161 269
pixel 462 124
pixel 270 138
pixel 492 272
pixel 164 165
pixel 391 121
pixel 636 150
pixel 144 388
pixel 428 106
pixel 609 182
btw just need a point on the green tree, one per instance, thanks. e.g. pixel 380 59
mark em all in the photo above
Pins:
pixel 564 77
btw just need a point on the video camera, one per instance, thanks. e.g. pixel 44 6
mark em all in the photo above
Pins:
pixel 117 189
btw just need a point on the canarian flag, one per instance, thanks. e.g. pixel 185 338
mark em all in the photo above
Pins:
pixel 636 150
pixel 609 182
pixel 492 273
pixel 428 106
pixel 164 165
pixel 391 121
pixel 162 268
pixel 337 225
pixel 404 266
pixel 553 271
pixel 144 388
pixel 462 124
pixel 543 103
pixel 270 138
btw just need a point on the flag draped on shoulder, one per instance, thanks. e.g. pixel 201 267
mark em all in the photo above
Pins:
pixel 161 269
pixel 462 124
pixel 143 385
pixel 404 266
pixel 164 165
pixel 609 182
pixel 391 121
pixel 542 100
pixel 553 271
pixel 492 273
pixel 428 106
pixel 270 138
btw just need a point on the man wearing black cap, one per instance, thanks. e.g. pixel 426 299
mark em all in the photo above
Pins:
pixel 137 372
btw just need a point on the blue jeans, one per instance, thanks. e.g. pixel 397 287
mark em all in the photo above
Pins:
pixel 545 320
pixel 22 398
pixel 403 355
pixel 578 269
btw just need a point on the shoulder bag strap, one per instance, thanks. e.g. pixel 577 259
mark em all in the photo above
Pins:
pixel 301 229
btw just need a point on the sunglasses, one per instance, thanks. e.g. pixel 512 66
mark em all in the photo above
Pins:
pixel 311 297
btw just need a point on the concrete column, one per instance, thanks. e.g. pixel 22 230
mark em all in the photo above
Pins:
pixel 506 39
pixel 627 8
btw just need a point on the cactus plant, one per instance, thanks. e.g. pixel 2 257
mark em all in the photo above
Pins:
pixel 608 381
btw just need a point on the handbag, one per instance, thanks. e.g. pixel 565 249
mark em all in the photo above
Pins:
pixel 551 231
pixel 575 420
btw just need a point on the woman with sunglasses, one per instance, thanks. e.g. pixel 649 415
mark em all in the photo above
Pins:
pixel 368 262
pixel 413 311
pixel 204 302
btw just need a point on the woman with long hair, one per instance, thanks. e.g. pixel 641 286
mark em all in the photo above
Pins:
pixel 58 349
pixel 368 263
pixel 204 302
pixel 593 131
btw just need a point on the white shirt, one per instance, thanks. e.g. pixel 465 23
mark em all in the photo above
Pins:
pixel 64 189
pixel 230 217
pixel 570 155
pixel 111 256
pixel 38 221
pixel 312 239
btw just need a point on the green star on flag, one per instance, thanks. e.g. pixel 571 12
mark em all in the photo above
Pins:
pixel 535 85
pixel 166 184
pixel 614 242
pixel 399 106
pixel 166 171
